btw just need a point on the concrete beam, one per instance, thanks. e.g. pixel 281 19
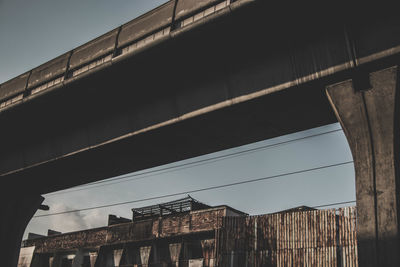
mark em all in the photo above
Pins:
pixel 370 120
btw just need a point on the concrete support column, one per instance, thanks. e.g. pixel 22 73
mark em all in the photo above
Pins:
pixel 26 257
pixel 93 258
pixel 145 255
pixel 208 248
pixel 52 261
pixel 175 252
pixel 117 257
pixel 370 120
pixel 17 209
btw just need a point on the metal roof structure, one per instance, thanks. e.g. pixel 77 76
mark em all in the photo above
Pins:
pixel 182 205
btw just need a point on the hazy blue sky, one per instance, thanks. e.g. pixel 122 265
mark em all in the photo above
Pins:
pixel 33 32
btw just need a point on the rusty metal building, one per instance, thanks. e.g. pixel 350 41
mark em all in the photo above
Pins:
pixel 178 233
pixel 188 233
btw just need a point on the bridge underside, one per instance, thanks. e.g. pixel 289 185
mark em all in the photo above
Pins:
pixel 240 124
pixel 230 80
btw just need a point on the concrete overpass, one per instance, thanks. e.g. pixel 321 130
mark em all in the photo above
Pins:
pixel 193 77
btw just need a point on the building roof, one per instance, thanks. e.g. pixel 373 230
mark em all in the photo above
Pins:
pixel 238 212
pixel 296 209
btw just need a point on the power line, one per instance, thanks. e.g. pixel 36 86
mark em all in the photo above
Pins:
pixel 196 190
pixel 217 158
pixel 138 176
pixel 334 204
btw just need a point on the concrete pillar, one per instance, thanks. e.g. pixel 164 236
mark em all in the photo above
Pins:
pixel 175 252
pixel 117 257
pixel 17 208
pixel 93 258
pixel 208 247
pixel 145 255
pixel 26 256
pixel 370 120
pixel 51 259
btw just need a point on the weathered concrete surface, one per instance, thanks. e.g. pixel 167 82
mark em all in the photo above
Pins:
pixel 117 256
pixel 25 257
pixel 142 26
pixel 216 85
pixel 186 97
pixel 370 120
pixel 14 86
pixel 208 251
pixel 93 258
pixel 98 47
pixel 183 77
pixel 145 255
pixel 64 137
pixel 185 7
pixel 14 218
pixel 49 70
pixel 175 252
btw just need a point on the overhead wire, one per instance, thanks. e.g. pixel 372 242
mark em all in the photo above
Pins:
pixel 334 204
pixel 196 190
pixel 143 175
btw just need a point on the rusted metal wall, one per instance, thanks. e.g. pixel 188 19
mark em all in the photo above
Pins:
pixel 163 227
pixel 83 239
pixel 309 238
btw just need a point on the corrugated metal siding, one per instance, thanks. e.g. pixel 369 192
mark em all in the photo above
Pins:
pixel 309 238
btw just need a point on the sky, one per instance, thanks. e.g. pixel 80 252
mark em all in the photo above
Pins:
pixel 33 32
